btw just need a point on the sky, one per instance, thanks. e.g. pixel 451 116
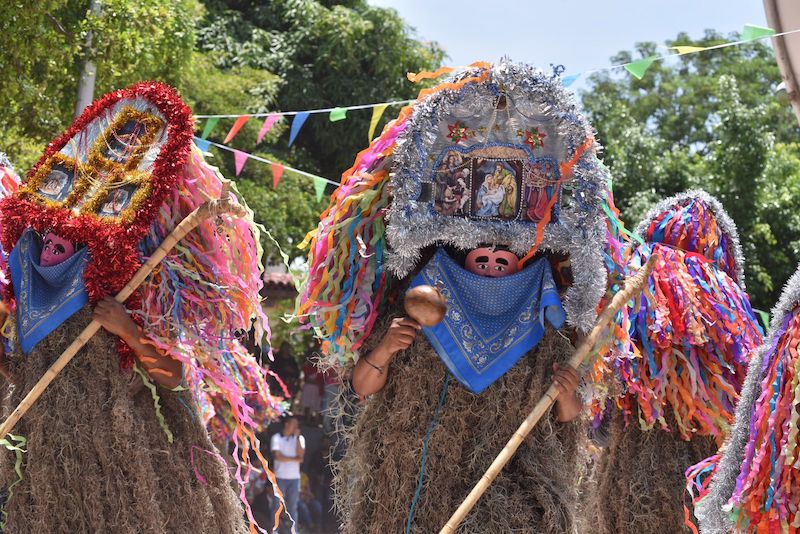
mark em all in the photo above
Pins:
pixel 579 34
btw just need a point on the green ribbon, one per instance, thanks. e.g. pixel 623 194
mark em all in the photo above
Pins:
pixel 156 402
pixel 619 227
pixel 17 444
pixel 764 318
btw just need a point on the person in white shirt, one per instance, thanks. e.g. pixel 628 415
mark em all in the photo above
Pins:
pixel 288 448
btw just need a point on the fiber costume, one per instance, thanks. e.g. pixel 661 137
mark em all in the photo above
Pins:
pixel 754 485
pixel 499 155
pixel 667 398
pixel 104 448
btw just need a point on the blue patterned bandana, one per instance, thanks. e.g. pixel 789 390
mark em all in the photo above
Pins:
pixel 46 296
pixel 491 322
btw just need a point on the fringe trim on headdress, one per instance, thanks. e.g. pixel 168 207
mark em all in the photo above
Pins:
pixel 683 346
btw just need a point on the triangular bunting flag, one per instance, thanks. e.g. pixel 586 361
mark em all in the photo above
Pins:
pixel 751 32
pixel 269 122
pixel 235 128
pixel 239 158
pixel 687 49
pixel 639 68
pixel 210 123
pixel 202 144
pixel 319 187
pixel 297 123
pixel 377 111
pixel 566 81
pixel 338 114
pixel 277 172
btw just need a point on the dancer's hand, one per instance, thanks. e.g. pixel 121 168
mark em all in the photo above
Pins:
pixel 371 371
pixel 566 380
pixel 113 316
pixel 401 334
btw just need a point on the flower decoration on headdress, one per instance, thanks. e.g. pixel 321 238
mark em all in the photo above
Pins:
pixel 534 138
pixel 458 132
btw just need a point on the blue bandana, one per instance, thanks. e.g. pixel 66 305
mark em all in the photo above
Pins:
pixel 46 296
pixel 491 322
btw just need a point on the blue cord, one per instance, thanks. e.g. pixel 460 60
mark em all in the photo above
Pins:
pixel 431 426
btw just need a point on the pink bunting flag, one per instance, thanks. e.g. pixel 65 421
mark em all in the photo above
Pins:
pixel 269 122
pixel 236 127
pixel 277 173
pixel 239 158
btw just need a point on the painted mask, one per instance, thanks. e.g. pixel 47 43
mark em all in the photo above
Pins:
pixel 55 250
pixel 486 261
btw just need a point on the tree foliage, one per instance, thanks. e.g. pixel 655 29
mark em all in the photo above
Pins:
pixel 709 120
pixel 42 54
pixel 326 54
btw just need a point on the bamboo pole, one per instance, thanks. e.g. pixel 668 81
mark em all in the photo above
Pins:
pixel 633 286
pixel 200 214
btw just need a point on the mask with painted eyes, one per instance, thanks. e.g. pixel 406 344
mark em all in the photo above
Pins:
pixel 495 263
pixel 55 250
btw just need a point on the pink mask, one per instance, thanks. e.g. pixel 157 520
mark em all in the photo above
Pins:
pixel 55 250
pixel 485 261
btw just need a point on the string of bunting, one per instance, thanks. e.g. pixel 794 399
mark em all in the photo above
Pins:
pixel 637 69
pixel 278 169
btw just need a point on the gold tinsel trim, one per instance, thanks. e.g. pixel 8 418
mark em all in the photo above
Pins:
pixel 115 181
pixel 80 181
pixel 152 125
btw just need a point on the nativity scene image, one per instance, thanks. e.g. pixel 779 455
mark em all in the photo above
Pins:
pixel 469 185
pixel 498 193
pixel 55 183
pixel 540 187
pixel 117 201
pixel 452 186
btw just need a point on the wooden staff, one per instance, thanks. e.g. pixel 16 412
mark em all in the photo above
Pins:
pixel 633 286
pixel 200 214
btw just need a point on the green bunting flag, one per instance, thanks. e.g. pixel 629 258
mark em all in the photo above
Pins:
pixel 319 187
pixel 210 123
pixel 639 68
pixel 338 114
pixel 752 32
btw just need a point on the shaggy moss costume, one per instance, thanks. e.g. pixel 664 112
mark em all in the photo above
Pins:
pixel 376 480
pixel 638 483
pixel 98 460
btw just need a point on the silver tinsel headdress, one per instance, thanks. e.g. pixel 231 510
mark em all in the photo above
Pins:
pixel 496 154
